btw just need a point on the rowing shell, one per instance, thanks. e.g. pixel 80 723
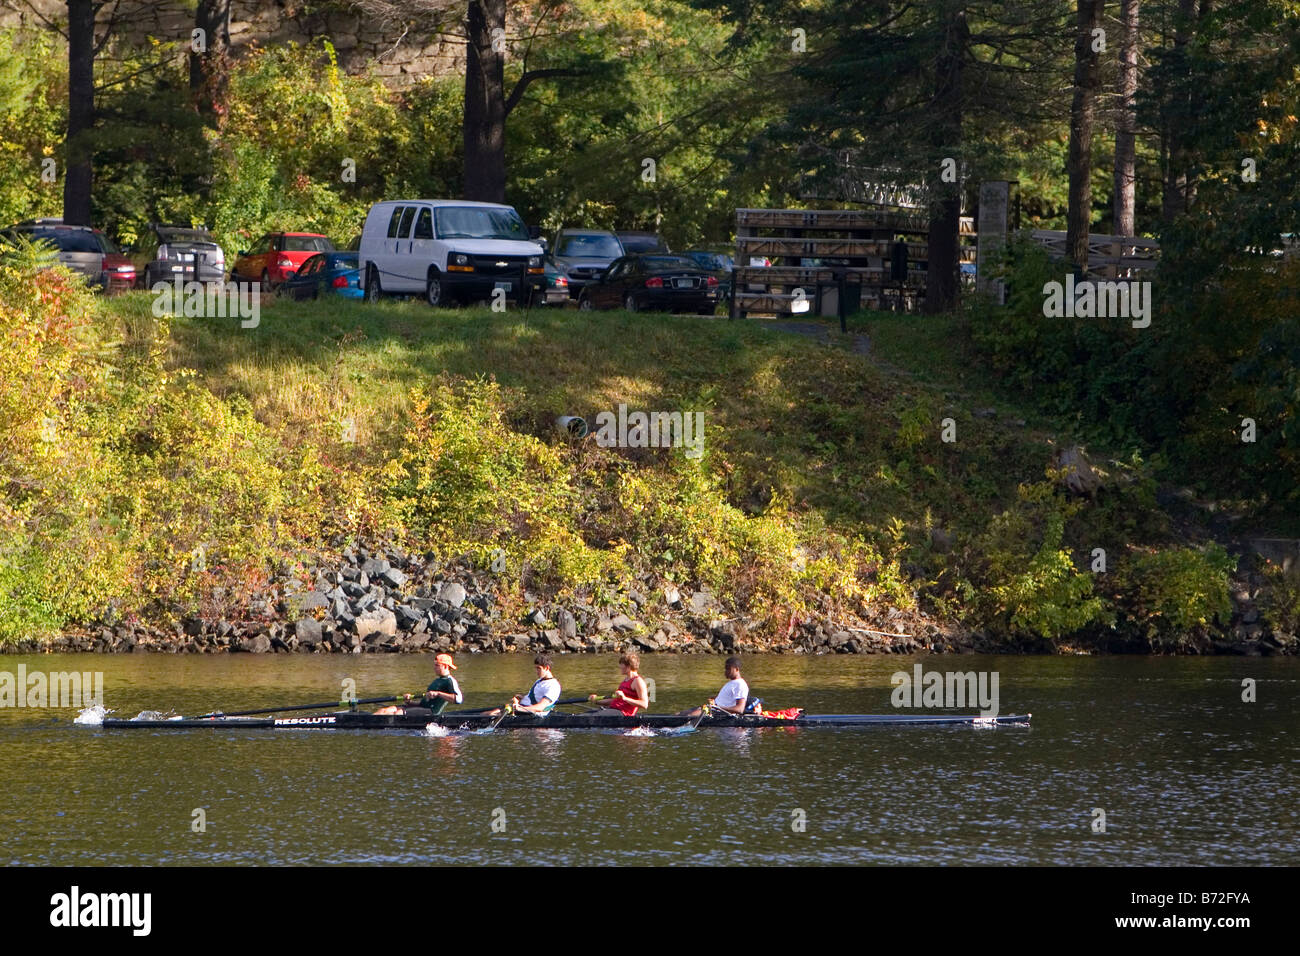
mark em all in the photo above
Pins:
pixel 418 719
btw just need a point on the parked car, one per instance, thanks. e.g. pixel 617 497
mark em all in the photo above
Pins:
pixel 119 271
pixel 326 273
pixel 277 256
pixel 80 248
pixel 449 250
pixel 717 264
pixel 164 252
pixel 661 283
pixel 583 254
pixel 556 289
pixel 641 242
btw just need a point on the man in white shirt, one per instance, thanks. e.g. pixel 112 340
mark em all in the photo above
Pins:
pixel 544 693
pixel 733 695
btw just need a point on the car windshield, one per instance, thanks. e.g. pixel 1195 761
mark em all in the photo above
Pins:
pixel 69 240
pixel 590 247
pixel 107 245
pixel 666 263
pixel 472 222
pixel 711 260
pixel 307 244
pixel 642 243
pixel 184 235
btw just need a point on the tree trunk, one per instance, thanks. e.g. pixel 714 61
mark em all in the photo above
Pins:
pixel 1126 122
pixel 210 70
pixel 81 113
pixel 1087 80
pixel 485 104
pixel 1178 188
pixel 941 277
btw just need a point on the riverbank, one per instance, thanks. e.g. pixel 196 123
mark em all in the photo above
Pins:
pixel 385 600
pixel 188 483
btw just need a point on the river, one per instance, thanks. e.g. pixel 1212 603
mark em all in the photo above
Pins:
pixel 1184 770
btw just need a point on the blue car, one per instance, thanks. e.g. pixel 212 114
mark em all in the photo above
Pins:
pixel 326 272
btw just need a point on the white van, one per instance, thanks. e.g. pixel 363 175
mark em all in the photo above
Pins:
pixel 448 250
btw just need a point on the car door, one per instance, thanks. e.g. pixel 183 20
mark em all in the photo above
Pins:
pixel 248 262
pixel 627 276
pixel 422 253
pixel 410 276
pixel 604 291
pixel 305 284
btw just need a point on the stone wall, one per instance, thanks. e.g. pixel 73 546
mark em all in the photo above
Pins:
pixel 399 59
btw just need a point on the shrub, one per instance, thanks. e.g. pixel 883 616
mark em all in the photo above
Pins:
pixel 1171 594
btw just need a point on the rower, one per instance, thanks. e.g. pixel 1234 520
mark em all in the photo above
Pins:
pixel 541 697
pixel 443 690
pixel 733 695
pixel 631 695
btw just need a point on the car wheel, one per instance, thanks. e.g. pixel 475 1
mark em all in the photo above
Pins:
pixel 433 291
pixel 266 282
pixel 373 290
pixel 630 303
pixel 584 304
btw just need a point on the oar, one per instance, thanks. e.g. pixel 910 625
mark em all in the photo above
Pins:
pixel 484 710
pixel 278 710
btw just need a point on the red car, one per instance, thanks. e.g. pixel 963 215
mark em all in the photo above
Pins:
pixel 119 271
pixel 277 256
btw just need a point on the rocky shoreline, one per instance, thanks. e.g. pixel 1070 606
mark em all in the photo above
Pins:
pixel 388 600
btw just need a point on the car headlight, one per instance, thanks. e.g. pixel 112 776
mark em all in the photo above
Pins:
pixel 534 262
pixel 460 259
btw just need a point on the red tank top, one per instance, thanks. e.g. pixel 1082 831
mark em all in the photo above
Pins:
pixel 623 706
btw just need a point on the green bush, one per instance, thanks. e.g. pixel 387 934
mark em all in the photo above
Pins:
pixel 1173 594
pixel 1033 588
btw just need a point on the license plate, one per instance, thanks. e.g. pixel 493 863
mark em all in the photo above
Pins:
pixel 507 286
pixel 187 257
pixel 683 284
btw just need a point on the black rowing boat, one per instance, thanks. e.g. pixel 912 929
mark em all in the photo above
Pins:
pixel 417 719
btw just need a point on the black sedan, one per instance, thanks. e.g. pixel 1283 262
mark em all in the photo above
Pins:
pixel 337 273
pixel 655 283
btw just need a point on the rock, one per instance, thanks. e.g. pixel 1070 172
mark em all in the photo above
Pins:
pixel 701 601
pixel 312 601
pixel 393 578
pixel 651 642
pixel 373 567
pixel 568 623
pixel 672 597
pixel 724 634
pixel 379 622
pixel 538 618
pixel 258 644
pixel 839 639
pixel 407 617
pixel 623 623
pixel 637 598
pixel 1077 472
pixel 556 642
pixel 452 593
pixel 308 631
pixel 986 413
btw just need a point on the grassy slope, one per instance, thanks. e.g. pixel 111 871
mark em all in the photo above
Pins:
pixel 818 424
